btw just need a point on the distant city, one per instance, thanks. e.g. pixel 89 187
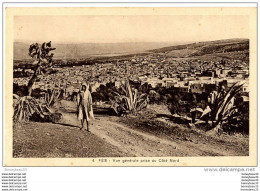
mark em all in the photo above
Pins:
pixel 194 76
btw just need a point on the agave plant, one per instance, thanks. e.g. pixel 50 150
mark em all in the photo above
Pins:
pixel 25 107
pixel 52 96
pixel 221 106
pixel 130 101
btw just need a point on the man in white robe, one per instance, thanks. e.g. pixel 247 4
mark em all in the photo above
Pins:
pixel 84 106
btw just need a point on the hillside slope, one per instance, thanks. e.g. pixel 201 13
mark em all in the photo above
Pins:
pixel 230 48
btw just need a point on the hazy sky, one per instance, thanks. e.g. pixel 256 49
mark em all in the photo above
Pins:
pixel 107 29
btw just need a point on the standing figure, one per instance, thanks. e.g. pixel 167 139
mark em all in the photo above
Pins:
pixel 84 106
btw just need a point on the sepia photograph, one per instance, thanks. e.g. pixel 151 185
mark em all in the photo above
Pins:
pixel 128 83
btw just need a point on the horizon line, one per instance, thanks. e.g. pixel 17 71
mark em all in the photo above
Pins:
pixel 167 42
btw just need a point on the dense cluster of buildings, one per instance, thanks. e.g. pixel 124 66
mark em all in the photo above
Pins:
pixel 185 75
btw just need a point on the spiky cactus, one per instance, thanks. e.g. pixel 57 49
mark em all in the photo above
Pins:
pixel 130 102
pixel 25 107
pixel 221 106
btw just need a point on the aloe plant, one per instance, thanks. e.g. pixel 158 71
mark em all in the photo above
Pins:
pixel 130 101
pixel 221 106
pixel 52 96
pixel 25 107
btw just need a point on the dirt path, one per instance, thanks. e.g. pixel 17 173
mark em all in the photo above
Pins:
pixel 139 144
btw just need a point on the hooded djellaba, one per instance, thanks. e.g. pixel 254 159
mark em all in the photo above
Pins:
pixel 84 105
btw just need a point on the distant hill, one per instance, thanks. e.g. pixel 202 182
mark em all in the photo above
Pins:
pixel 85 50
pixel 229 49
pixel 210 50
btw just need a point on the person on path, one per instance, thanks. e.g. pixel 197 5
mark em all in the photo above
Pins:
pixel 84 106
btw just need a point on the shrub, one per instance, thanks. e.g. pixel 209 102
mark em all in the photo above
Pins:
pixel 154 97
pixel 130 101
pixel 221 108
pixel 25 107
pixel 52 96
pixel 28 108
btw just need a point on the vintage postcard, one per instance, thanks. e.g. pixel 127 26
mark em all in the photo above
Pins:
pixel 130 86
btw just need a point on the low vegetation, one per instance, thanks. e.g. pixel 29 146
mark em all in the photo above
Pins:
pixel 129 100
pixel 25 107
pixel 52 96
pixel 28 108
pixel 221 108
